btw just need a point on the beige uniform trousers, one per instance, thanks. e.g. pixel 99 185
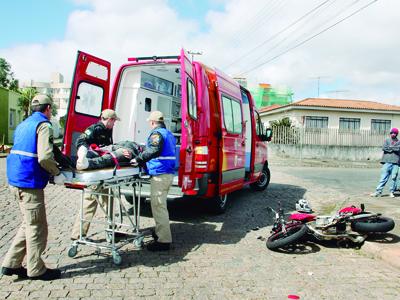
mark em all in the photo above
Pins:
pixel 159 187
pixel 31 238
pixel 89 209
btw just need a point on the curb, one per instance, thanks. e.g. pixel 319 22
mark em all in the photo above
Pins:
pixel 390 255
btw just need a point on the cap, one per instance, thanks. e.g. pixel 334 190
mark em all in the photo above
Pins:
pixel 156 116
pixel 109 114
pixel 394 130
pixel 41 99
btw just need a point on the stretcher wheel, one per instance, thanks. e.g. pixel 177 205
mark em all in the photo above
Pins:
pixel 72 251
pixel 117 259
pixel 138 242
pixel 108 237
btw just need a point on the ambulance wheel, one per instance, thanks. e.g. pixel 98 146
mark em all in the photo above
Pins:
pixel 117 259
pixel 219 203
pixel 138 243
pixel 263 181
pixel 72 251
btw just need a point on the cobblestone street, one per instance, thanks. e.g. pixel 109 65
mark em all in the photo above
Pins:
pixel 213 257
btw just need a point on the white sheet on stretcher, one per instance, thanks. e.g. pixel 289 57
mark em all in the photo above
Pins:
pixel 98 175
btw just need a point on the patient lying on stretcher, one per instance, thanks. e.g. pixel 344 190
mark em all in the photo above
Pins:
pixel 118 154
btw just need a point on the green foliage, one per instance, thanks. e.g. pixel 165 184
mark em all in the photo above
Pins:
pixel 63 119
pixel 7 79
pixel 285 122
pixel 54 106
pixel 25 100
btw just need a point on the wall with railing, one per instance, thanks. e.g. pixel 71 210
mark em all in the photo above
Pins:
pixel 327 144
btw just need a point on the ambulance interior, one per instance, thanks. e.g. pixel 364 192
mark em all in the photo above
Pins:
pixel 143 89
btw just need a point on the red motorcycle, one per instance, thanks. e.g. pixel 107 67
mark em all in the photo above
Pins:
pixel 350 224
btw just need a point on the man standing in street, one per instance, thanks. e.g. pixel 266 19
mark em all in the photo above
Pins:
pixel 29 166
pixel 159 156
pixel 101 135
pixel 390 161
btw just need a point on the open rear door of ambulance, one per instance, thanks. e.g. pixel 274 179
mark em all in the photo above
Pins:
pixel 232 143
pixel 189 117
pixel 89 96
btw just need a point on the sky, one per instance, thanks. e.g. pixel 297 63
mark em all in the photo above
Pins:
pixel 344 49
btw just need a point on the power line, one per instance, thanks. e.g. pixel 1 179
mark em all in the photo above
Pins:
pixel 303 35
pixel 277 34
pixel 308 39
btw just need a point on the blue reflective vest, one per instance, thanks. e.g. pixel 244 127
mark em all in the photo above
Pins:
pixel 165 163
pixel 23 168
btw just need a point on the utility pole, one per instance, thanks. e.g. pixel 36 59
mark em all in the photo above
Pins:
pixel 318 78
pixel 193 53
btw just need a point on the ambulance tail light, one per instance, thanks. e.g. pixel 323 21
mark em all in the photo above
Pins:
pixel 201 158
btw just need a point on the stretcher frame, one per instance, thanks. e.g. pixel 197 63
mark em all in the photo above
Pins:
pixel 115 209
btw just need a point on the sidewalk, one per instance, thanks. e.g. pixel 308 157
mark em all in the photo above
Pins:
pixel 385 247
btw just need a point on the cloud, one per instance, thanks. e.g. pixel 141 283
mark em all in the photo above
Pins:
pixel 358 56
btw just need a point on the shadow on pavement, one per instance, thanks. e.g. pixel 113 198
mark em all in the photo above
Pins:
pixel 193 226
pixel 384 238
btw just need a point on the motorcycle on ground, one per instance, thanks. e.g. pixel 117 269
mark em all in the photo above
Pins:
pixel 350 224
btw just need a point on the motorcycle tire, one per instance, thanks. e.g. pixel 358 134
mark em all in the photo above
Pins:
pixel 280 239
pixel 372 225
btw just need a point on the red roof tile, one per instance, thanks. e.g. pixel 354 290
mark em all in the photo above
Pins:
pixel 339 103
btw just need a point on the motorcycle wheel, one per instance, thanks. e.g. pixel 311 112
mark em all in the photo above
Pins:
pixel 377 224
pixel 280 239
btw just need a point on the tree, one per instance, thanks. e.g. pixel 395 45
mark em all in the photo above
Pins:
pixel 24 102
pixel 7 79
pixel 54 106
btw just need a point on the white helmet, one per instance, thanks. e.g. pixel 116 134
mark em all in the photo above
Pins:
pixel 302 205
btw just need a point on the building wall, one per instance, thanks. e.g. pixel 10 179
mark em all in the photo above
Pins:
pixel 297 117
pixel 3 114
pixel 9 108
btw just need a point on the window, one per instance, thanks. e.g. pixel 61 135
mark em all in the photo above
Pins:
pixel 232 115
pixel 192 102
pixel 259 124
pixel 96 70
pixel 316 122
pixel 12 119
pixel 157 84
pixel 380 126
pixel 89 99
pixel 349 124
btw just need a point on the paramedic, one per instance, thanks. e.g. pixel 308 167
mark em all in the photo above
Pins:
pixel 29 166
pixel 159 156
pixel 101 135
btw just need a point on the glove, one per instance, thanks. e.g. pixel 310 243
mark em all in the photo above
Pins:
pixel 134 163
pixel 60 179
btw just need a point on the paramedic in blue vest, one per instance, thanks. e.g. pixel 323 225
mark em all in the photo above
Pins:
pixel 159 156
pixel 29 166
pixel 100 134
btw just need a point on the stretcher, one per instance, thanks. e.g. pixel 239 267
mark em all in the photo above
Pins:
pixel 107 183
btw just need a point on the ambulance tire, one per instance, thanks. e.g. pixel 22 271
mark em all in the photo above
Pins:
pixel 219 204
pixel 262 182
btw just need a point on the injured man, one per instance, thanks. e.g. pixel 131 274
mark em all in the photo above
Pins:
pixel 118 154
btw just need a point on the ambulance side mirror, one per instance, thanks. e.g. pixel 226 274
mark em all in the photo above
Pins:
pixel 267 136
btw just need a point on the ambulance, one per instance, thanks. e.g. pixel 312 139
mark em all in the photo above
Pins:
pixel 221 141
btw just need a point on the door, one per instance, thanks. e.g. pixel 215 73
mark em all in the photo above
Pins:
pixel 89 96
pixel 233 140
pixel 189 117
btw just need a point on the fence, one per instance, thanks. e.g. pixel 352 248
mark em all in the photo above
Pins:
pixel 326 137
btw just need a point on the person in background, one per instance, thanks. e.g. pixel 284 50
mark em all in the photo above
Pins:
pixel 390 161
pixel 99 134
pixel 159 156
pixel 29 166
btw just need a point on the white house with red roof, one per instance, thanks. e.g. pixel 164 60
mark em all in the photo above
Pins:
pixel 336 114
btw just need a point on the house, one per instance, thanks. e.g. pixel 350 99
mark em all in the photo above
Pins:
pixel 11 114
pixel 320 113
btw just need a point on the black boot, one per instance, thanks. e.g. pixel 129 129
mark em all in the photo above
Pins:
pixel 157 246
pixel 50 274
pixel 21 272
